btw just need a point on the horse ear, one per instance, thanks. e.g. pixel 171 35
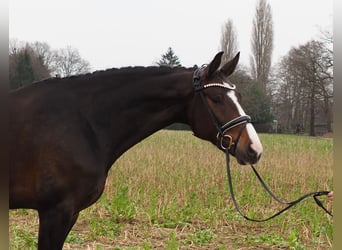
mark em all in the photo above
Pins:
pixel 230 66
pixel 215 63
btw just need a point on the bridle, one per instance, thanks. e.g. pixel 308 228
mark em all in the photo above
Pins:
pixel 222 134
pixel 221 129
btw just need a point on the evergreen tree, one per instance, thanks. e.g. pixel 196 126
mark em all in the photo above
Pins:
pixel 24 73
pixel 254 100
pixel 256 103
pixel 169 59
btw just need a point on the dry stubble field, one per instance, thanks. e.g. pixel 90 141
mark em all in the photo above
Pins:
pixel 171 192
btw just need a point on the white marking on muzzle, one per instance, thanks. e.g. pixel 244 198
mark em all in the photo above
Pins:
pixel 256 144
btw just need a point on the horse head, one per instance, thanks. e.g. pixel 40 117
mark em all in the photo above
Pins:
pixel 216 113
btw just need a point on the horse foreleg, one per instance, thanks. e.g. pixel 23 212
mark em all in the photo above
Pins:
pixel 54 226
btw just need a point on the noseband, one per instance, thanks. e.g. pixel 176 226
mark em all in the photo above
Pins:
pixel 221 129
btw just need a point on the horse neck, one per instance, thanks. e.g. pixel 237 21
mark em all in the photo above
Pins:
pixel 129 109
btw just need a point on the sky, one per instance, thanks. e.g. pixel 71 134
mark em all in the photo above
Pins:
pixel 110 33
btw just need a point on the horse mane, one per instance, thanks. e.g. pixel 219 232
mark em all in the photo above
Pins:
pixel 141 70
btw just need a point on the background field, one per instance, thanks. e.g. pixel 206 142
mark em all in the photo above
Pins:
pixel 171 192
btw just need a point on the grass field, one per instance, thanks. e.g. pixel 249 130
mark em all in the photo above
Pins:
pixel 171 192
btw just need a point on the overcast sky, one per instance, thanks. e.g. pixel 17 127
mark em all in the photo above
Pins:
pixel 111 33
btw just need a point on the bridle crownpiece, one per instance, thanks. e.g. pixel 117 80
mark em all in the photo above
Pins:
pixel 197 85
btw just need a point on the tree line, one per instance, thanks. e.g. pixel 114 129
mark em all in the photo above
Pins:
pixel 297 92
pixel 302 87
pixel 29 62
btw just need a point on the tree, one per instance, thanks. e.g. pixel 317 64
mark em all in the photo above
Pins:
pixel 262 43
pixel 44 53
pixel 169 59
pixel 67 62
pixel 23 70
pixel 327 77
pixel 43 62
pixel 25 66
pixel 228 43
pixel 306 87
pixel 254 100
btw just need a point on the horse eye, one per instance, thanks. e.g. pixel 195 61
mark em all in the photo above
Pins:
pixel 216 99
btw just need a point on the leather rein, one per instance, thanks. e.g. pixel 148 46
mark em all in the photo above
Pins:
pixel 242 121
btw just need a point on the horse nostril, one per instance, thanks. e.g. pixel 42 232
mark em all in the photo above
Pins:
pixel 253 154
pixel 258 157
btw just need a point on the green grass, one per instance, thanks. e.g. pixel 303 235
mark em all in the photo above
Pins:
pixel 171 192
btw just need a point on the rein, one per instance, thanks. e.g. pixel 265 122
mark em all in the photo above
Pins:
pixel 221 135
pixel 289 204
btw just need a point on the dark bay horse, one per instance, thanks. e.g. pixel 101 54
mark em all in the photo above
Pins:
pixel 66 133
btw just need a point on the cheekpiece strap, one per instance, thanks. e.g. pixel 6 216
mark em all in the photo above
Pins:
pixel 196 80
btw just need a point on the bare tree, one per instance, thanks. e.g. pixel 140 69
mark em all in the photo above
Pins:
pixel 306 79
pixel 44 53
pixel 228 43
pixel 291 99
pixel 15 45
pixel 262 43
pixel 67 62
